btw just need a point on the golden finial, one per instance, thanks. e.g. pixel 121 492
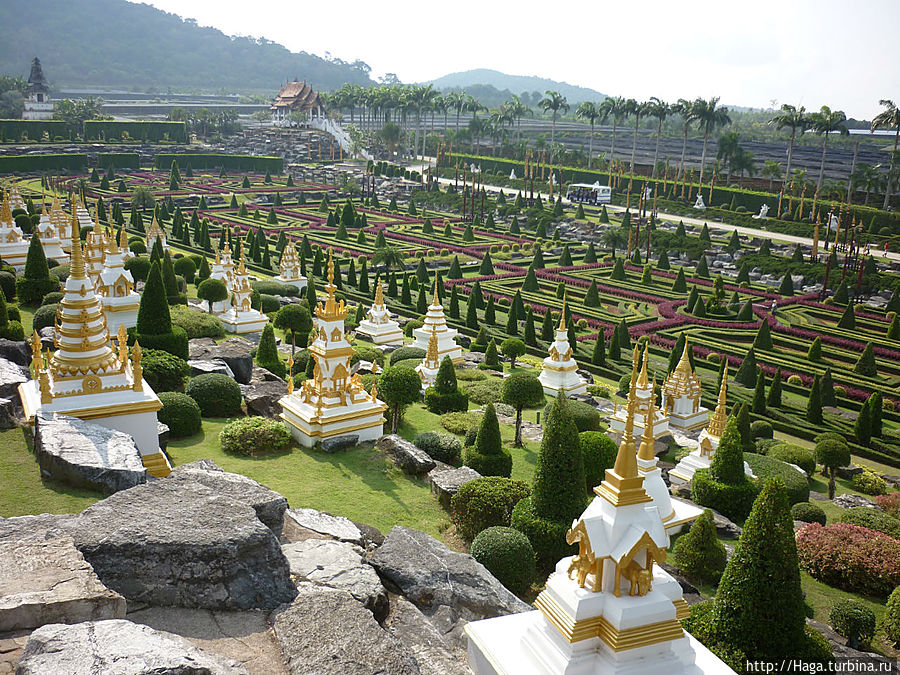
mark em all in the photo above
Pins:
pixel 290 378
pixel 98 229
pixel 122 338
pixel 643 380
pixel 123 239
pixel 623 484
pixel 76 270
pixel 379 296
pixel 374 392
pixel 719 418
pixel 111 247
pixel 331 270
pixel 635 361
pixel 5 211
pixel 37 361
pixel 136 370
pixel 431 356
pixel 646 451
pixel 684 364
pixel 437 301
pixel 562 315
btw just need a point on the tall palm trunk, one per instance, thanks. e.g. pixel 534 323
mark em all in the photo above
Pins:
pixel 887 182
pixel 683 150
pixel 637 121
pixel 822 164
pixel 553 129
pixel 787 171
pixel 612 145
pixel 703 156
pixel 656 152
pixel 591 145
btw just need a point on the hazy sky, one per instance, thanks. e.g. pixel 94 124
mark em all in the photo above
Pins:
pixel 750 53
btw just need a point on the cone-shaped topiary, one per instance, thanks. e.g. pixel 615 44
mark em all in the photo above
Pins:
pixel 598 355
pixel 680 284
pixel 728 463
pixel 153 314
pixel 746 374
pixel 893 332
pixel 488 456
pixel 815 351
pixel 618 272
pixel 558 491
pixel 814 403
pixel 866 365
pixel 698 553
pixel 746 312
pixel 773 399
pixel 787 285
pixel 267 352
pixel 36 280
pixel 487 265
pixel 703 266
pixel 742 415
pixel 491 357
pixel 763 339
pixel 862 428
pixel 759 395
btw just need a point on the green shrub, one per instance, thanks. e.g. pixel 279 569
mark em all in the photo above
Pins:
pixel 584 415
pixel 485 502
pixel 732 501
pixel 698 553
pixel 405 353
pixel 807 512
pixel 269 304
pixel 869 483
pixel 195 323
pixel 761 429
pixel 547 537
pixel 507 554
pixel 8 285
pixel 470 375
pixel 488 456
pixel 180 413
pixel 275 288
pixel 44 316
pixel 32 291
pixel 459 422
pixel 164 371
pixel 52 298
pixel 599 454
pixel 890 623
pixel 254 436
pixel 794 454
pixel 485 391
pixel 795 380
pixel 873 519
pixel 216 394
pixel 854 621
pixel 764 468
pixel 13 331
pixel 175 342
pixel 763 445
pixel 471 436
pixel 439 446
pixel 408 331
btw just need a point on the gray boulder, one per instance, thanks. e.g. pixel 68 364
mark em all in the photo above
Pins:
pixel 11 376
pixel 86 455
pixel 17 351
pixel 262 397
pixel 434 655
pixel 446 482
pixel 847 472
pixel 405 455
pixel 117 647
pixel 234 351
pixel 337 443
pixel 35 528
pixel 850 500
pixel 327 631
pixel 321 523
pixel 50 582
pixel 203 366
pixel 268 504
pixel 178 542
pixel 11 414
pixel 338 565
pixel 450 588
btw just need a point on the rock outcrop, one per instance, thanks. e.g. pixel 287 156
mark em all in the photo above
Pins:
pixel 405 455
pixel 447 480
pixel 434 655
pixel 233 351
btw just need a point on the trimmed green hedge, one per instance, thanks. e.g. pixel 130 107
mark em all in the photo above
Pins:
pixel 765 467
pixel 119 160
pixel 547 537
pixel 11 130
pixel 216 160
pixel 145 131
pixel 74 161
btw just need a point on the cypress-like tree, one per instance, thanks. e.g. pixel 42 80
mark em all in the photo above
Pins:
pixel 169 281
pixel 530 336
pixel 478 295
pixel 876 412
pixel 680 284
pixel 590 255
pixel 571 335
pixel 618 272
pixel 734 242
pixel 547 327
pixel 702 267
pixel 531 283
pixel 704 234
pixel 848 318
pixel 758 608
pixel 893 332
pixel 491 356
pixel 203 272
pixel 351 273
pixel 267 352
pixel 759 394
pixel 422 272
pixel 743 276
pixel 489 312
pixel 743 424
pixel 773 399
pixel 728 462
pixel 592 297
pixel 894 303
pixel 565 258
pixel 699 553
pixel 422 301
pixel 862 428
pixel 537 262
pixel 455 271
pixel 471 313
pixel 723 372
pixel 392 284
pixel 841 295
pixel 663 262
pixel 153 314
pixel 815 351
pixel 746 374
pixel 746 312
pixel 699 309
pixel 598 355
pixel 624 335
pixel 647 276
pixel 363 278
pixel 615 347
pixel 487 265
pixel 763 339
pixel 488 456
pixel 512 320
pixel 604 216
pixel 866 365
pixel 814 403
pixel 787 285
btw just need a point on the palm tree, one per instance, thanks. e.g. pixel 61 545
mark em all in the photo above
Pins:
pixel 456 100
pixel 796 119
pixel 771 170
pixel 827 121
pixel 613 238
pixel 478 128
pixel 867 177
pixel 639 110
pixel 890 118
pixel 517 110
pixel 660 110
pixel 615 107
pixel 710 115
pixel 554 101
pixel 588 110
pixel 389 256
pixel 685 109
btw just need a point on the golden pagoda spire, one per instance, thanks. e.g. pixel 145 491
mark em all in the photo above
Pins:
pixel 635 360
pixel 123 240
pixel 111 247
pixel 330 310
pixel 437 300
pixel 98 230
pixel 623 484
pixel 330 271
pixel 562 316
pixel 719 418
pixel 379 295
pixel 643 380
pixel 431 355
pixel 5 211
pixel 684 364
pixel 646 451
pixel 76 269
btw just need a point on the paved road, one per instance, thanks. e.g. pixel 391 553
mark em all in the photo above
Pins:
pixel 688 220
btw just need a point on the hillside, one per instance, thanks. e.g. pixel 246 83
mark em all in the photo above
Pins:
pixel 114 43
pixel 517 84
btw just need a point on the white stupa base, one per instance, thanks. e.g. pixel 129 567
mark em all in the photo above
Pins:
pixel 309 425
pixel 53 251
pixel 688 421
pixel 660 423
pixel 252 321
pixel 299 282
pixel 387 333
pixel 128 411
pixel 562 376
pixel 14 253
pixel 446 342
pixel 427 375
pixel 121 312
pixel 685 515
pixel 685 469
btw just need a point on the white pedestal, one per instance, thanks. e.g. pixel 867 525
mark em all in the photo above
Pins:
pixel 299 282
pixel 446 337
pixel 559 376
pixel 381 334
pixel 252 321
pixel 363 418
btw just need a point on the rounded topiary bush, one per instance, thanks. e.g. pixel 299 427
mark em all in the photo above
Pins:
pixel 406 353
pixel 44 316
pixel 854 621
pixel 460 422
pixel 216 394
pixel 794 454
pixel 585 416
pixel 547 537
pixel 698 553
pixel 763 445
pixel 795 380
pixel 507 554
pixel 732 501
pixel 164 371
pixel 765 467
pixel 485 502
pixel 254 436
pixel 869 483
pixel 13 331
pixel 761 429
pixel 439 446
pixel 874 519
pixel 269 303
pixel 180 413
pixel 599 454
pixel 8 285
pixel 52 298
pixel 196 324
pixel 890 623
pixel 807 512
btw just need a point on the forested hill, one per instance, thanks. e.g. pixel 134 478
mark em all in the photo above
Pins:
pixel 471 80
pixel 115 43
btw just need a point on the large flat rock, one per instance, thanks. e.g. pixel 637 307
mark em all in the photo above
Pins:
pixel 268 504
pixel 181 543
pixel 34 528
pixel 338 565
pixel 450 588
pixel 117 647
pixel 326 631
pixel 234 351
pixel 262 396
pixel 405 455
pixel 434 655
pixel 49 581
pixel 446 481
pixel 87 455
pixel 319 522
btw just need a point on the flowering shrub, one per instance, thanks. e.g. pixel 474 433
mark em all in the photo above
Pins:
pixel 850 557
pixel 890 503
pixel 869 483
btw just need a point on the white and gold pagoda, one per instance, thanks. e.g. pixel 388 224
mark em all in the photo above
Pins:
pixel 13 246
pixel 50 228
pixel 81 212
pixel 559 371
pixel 290 267
pixel 378 324
pixel 223 270
pixel 333 402
pixel 115 286
pixel 428 368
pixel 85 377
pixel 156 232
pixel 681 395
pixel 16 201
pixel 241 317
pixel 708 442
pixel 435 322
pixel 95 251
pixel 610 609
pixel 644 394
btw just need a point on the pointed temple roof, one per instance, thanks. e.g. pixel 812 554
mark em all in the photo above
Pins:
pixel 720 417
pixel 297 96
pixel 36 80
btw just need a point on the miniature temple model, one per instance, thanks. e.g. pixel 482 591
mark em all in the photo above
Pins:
pixel 435 322
pixel 223 270
pixel 332 403
pixel 83 215
pixel 95 251
pixel 428 369
pixel 378 325
pixel 86 378
pixel 290 268
pixel 560 372
pixel 644 394
pixel 115 286
pixel 13 246
pixel 50 227
pixel 708 443
pixel 156 232
pixel 610 609
pixel 681 395
pixel 241 317
pixel 16 201
pixel 38 104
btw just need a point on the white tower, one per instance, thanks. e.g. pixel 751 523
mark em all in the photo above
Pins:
pixel 560 372
pixel 435 322
pixel 379 326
